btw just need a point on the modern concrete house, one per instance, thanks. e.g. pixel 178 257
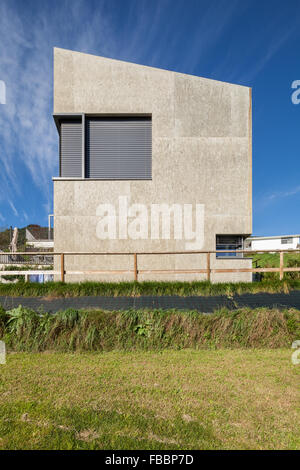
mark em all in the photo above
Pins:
pixel 150 161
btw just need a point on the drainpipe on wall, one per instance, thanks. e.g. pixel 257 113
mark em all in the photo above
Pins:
pixel 49 225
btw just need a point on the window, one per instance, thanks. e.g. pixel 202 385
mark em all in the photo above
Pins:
pixel 286 241
pixel 106 148
pixel 71 148
pixel 229 242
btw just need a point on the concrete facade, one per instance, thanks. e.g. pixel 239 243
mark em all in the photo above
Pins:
pixel 201 154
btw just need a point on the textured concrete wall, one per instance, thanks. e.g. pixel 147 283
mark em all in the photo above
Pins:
pixel 201 153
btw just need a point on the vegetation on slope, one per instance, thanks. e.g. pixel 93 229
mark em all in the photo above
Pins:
pixel 272 260
pixel 70 330
pixel 5 238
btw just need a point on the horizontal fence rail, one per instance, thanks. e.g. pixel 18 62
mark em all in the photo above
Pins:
pixel 39 258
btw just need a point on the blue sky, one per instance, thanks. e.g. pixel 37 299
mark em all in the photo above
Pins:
pixel 248 42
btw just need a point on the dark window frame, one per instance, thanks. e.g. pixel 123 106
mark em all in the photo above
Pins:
pixel 61 117
pixel 230 242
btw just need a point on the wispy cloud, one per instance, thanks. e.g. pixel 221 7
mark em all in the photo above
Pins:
pixel 213 21
pixel 162 40
pixel 283 194
pixel 276 196
pixel 29 141
pixel 27 137
pixel 13 208
pixel 268 53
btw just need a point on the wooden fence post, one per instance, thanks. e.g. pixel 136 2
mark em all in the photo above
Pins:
pixel 281 265
pixel 208 265
pixel 135 267
pixel 62 267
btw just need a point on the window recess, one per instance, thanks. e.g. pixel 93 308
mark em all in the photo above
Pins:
pixel 229 242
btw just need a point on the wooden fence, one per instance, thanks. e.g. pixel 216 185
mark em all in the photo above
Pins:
pixel 135 271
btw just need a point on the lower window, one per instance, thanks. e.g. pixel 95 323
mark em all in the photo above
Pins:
pixel 229 242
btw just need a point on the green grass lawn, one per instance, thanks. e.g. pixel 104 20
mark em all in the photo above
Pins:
pixel 187 399
pixel 52 290
pixel 272 260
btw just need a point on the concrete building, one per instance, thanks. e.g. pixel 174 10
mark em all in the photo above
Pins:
pixel 279 242
pixel 150 161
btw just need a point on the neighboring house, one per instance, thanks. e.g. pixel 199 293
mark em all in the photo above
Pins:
pixel 150 161
pixel 279 242
pixel 39 237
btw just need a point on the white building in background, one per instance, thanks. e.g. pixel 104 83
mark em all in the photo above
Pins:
pixel 283 242
pixel 39 237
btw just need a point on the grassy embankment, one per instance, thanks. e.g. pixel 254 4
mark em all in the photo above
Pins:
pixel 143 386
pixel 272 260
pixel 71 330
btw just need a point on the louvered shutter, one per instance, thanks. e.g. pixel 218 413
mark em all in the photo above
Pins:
pixel 119 148
pixel 71 149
